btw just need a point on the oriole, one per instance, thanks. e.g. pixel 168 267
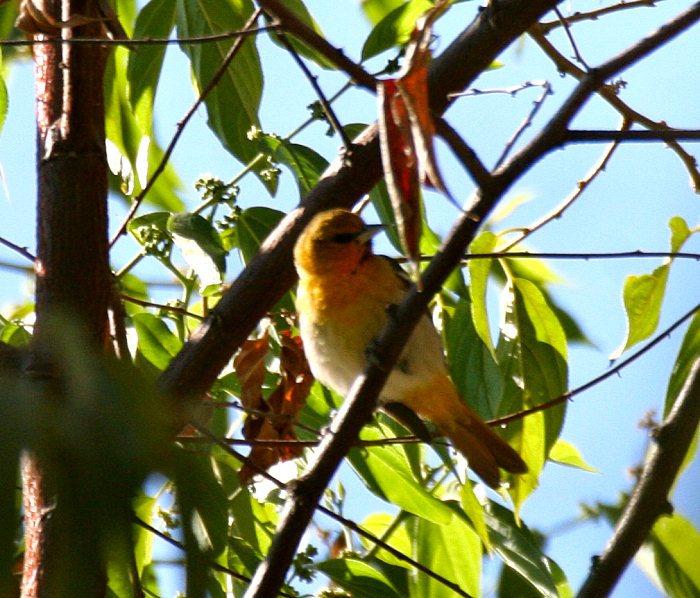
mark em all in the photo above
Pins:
pixel 342 300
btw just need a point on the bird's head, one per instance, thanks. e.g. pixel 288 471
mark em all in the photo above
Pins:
pixel 334 241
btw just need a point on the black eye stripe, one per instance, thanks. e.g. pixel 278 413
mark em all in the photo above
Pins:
pixel 344 237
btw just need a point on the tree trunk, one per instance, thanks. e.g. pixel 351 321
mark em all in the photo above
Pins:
pixel 72 282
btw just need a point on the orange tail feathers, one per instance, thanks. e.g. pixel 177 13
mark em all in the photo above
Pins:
pixel 484 449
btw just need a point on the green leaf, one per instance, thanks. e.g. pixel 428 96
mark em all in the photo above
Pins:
pixel 359 578
pixel 478 275
pixel 253 521
pixel 452 551
pixel 520 550
pixel 202 501
pixel 204 515
pixel 201 246
pixel 643 295
pixel 687 355
pixel 395 28
pixel 566 453
pixel 532 355
pixel 378 524
pixel 232 106
pixel 155 20
pixel 306 165
pixel 252 227
pixel 3 96
pixel 132 152
pixel 14 334
pixel 156 342
pixel 376 10
pixel 387 473
pixel 145 508
pixel 475 511
pixel 679 233
pixel 676 544
pixel 471 364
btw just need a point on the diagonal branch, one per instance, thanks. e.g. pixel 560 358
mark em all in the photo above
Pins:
pixel 649 499
pixel 609 94
pixel 555 133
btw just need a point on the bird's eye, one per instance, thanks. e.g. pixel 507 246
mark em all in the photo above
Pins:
pixel 344 238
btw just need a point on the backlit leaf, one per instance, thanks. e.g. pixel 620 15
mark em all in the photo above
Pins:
pixel 567 454
pixel 453 551
pixel 532 356
pixel 676 544
pixel 306 165
pixel 359 578
pixel 520 550
pixel 155 20
pixel 478 275
pixel 643 295
pixel 232 106
pixel 378 524
pixel 156 342
pixel 387 473
pixel 394 28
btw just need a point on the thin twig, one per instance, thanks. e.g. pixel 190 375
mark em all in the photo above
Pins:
pixel 572 41
pixel 170 308
pixel 668 134
pixel 594 15
pixel 230 55
pixel 291 24
pixel 536 105
pixel 21 250
pixel 502 421
pixel 465 154
pixel 177 544
pixel 613 255
pixel 580 188
pixel 511 91
pixel 313 80
pixel 279 442
pixel 553 135
pixel 148 41
pixel 609 94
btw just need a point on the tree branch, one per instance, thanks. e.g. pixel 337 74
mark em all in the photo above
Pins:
pixel 594 136
pixel 649 499
pixel 291 24
pixel 555 133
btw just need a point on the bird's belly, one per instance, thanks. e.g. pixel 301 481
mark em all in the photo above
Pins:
pixel 338 356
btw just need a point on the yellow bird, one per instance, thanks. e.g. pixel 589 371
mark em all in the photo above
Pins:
pixel 343 296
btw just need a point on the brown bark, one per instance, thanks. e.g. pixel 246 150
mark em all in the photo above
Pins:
pixel 72 281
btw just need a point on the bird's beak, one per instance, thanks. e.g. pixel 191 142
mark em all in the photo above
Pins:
pixel 369 231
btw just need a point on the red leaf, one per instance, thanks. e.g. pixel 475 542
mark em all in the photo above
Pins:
pixel 280 409
pixel 406 131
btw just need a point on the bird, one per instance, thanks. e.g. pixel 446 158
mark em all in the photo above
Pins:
pixel 343 300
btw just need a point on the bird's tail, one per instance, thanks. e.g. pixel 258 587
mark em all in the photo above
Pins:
pixel 484 449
